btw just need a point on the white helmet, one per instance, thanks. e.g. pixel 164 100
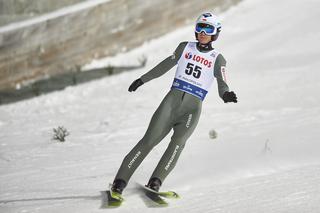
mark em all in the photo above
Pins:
pixel 208 23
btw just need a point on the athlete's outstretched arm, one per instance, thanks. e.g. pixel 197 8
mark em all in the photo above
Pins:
pixel 163 67
pixel 220 74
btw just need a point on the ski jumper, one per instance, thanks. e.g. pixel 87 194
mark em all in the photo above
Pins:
pixel 180 109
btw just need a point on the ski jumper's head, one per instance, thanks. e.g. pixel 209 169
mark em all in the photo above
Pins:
pixel 207 28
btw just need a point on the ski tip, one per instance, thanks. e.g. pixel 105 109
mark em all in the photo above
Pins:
pixel 175 195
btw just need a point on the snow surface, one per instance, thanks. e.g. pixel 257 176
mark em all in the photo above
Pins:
pixel 266 156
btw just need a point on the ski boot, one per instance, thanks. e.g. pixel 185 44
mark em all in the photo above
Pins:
pixel 154 184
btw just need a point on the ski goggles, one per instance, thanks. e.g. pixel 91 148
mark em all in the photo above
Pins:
pixel 206 28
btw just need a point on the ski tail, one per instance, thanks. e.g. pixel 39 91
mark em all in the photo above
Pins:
pixel 115 199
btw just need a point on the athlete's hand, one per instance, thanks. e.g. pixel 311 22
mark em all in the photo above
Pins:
pixel 137 83
pixel 229 97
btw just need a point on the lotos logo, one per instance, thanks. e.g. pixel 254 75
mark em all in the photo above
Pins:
pixel 188 55
pixel 199 59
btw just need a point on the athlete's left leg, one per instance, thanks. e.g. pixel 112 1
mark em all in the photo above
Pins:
pixel 182 131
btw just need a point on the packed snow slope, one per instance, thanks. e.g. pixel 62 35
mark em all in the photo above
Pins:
pixel 267 154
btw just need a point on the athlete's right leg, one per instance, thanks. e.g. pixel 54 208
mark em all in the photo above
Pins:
pixel 160 125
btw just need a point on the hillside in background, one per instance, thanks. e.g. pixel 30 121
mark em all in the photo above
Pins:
pixel 63 40
pixel 17 10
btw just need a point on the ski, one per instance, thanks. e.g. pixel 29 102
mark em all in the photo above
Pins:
pixel 115 199
pixel 165 194
pixel 158 197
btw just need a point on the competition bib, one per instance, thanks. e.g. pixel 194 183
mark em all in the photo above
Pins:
pixel 194 73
